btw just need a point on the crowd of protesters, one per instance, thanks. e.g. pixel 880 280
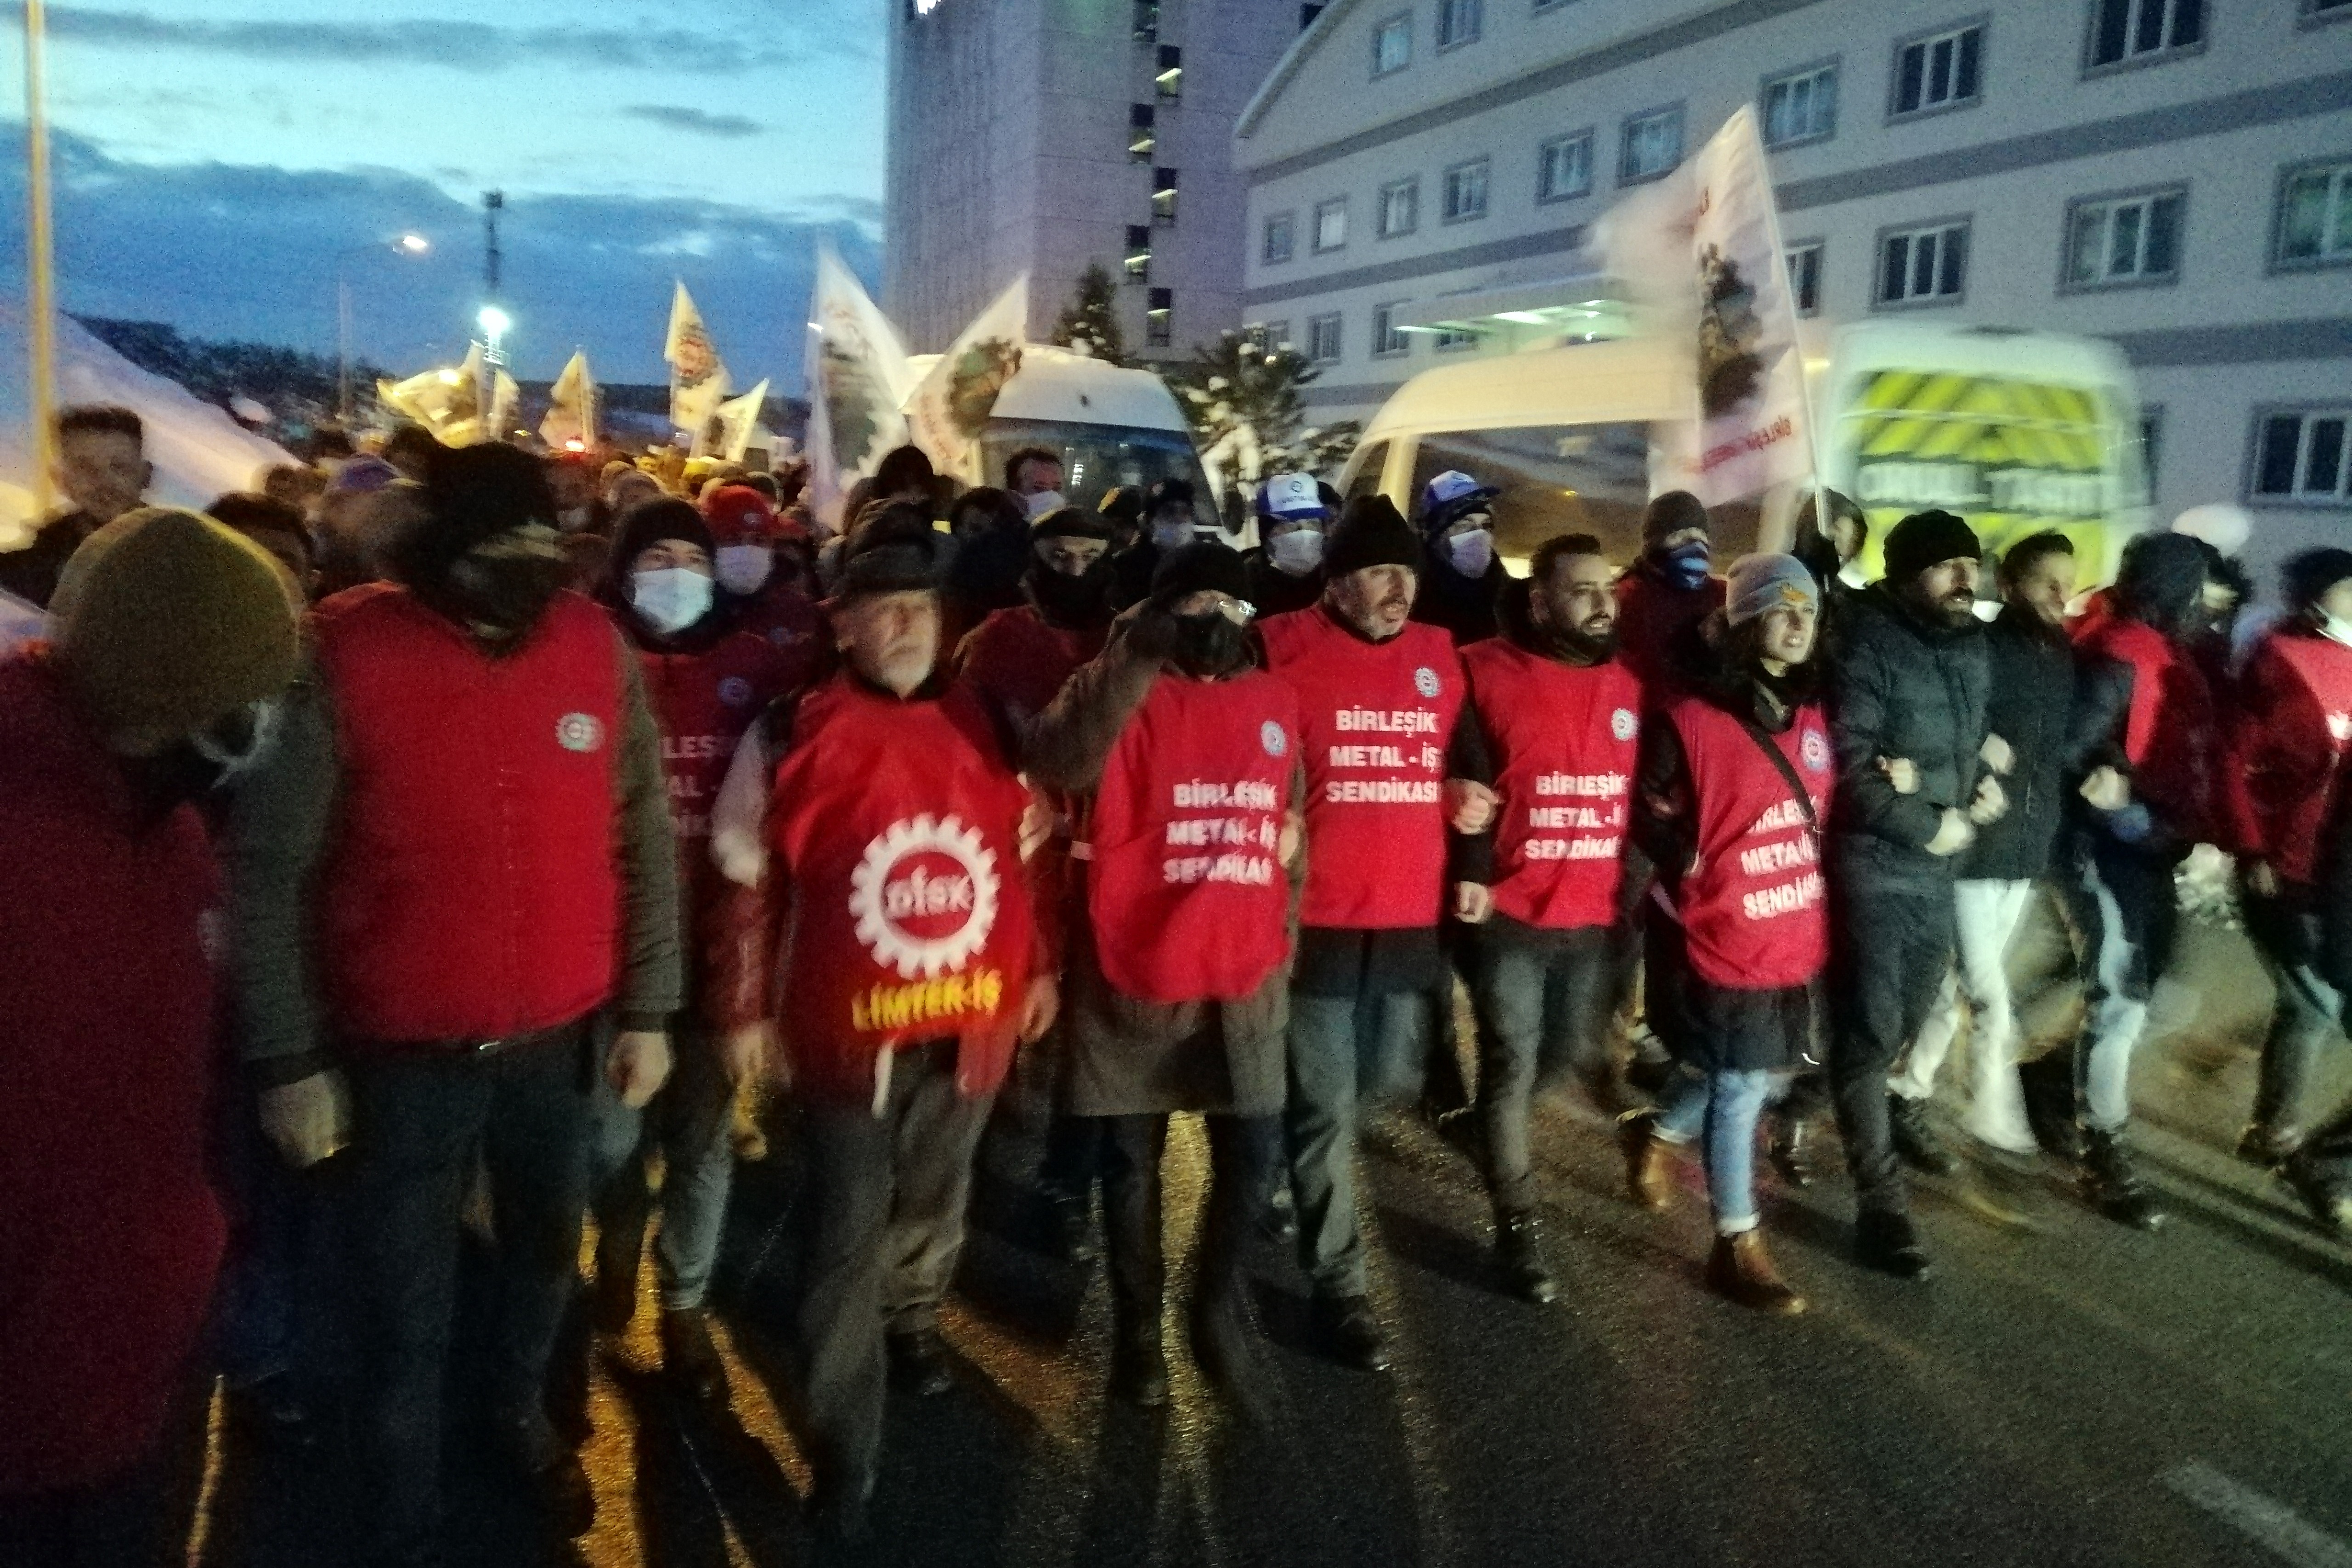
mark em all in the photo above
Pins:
pixel 523 833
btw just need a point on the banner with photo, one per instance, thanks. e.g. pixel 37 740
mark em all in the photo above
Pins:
pixel 856 378
pixel 952 406
pixel 698 377
pixel 571 408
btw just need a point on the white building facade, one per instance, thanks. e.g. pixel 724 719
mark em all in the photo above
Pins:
pixel 2174 175
pixel 1042 135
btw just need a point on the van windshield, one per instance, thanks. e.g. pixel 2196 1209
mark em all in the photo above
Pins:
pixel 1554 479
pixel 1097 458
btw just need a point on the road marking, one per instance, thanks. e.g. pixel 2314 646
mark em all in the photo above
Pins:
pixel 2286 1532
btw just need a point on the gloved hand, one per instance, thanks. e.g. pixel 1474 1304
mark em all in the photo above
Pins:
pixel 307 1120
pixel 637 1065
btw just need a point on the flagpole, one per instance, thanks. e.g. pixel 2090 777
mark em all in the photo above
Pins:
pixel 40 262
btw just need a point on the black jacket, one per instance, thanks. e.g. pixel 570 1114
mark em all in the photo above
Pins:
pixel 1904 688
pixel 2031 706
pixel 1274 592
pixel 1463 605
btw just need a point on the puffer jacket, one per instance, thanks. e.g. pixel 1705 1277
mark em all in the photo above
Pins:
pixel 1903 688
pixel 2031 707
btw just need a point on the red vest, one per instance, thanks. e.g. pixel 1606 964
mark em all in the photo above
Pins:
pixel 1753 911
pixel 1375 719
pixel 704 701
pixel 1186 891
pixel 897 825
pixel 1563 741
pixel 473 890
pixel 790 622
pixel 2169 732
pixel 1018 662
pixel 2291 734
pixel 1652 616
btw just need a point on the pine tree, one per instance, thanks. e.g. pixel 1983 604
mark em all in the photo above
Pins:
pixel 1241 397
pixel 1090 323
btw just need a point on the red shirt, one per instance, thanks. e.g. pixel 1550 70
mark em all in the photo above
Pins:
pixel 1651 617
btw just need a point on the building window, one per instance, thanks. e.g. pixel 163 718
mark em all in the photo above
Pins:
pixel 1163 195
pixel 1465 190
pixel 1801 106
pixel 1323 338
pixel 2151 440
pixel 1280 236
pixel 1331 224
pixel 1306 14
pixel 1924 266
pixel 1399 207
pixel 1458 21
pixel 1138 253
pixel 2124 239
pixel 2300 457
pixel 1268 336
pixel 1171 80
pixel 1805 276
pixel 1393 45
pixel 1159 307
pixel 2326 10
pixel 1652 145
pixel 1939 70
pixel 1454 338
pixel 2124 30
pixel 1564 167
pixel 1143 137
pixel 2315 216
pixel 1387 341
pixel 1147 21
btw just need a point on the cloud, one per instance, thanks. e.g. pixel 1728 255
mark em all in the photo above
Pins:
pixel 251 252
pixel 457 45
pixel 698 121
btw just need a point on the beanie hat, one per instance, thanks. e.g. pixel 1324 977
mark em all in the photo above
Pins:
pixel 1169 493
pixel 1207 566
pixel 1760 583
pixel 2159 577
pixel 2224 526
pixel 1450 498
pixel 1070 523
pixel 472 495
pixel 165 620
pixel 1925 538
pixel 2307 576
pixel 890 549
pixel 648 523
pixel 1372 532
pixel 1123 503
pixel 1291 498
pixel 737 514
pixel 1671 514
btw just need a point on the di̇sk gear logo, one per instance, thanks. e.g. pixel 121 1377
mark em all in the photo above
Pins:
pixel 1270 735
pixel 579 732
pixel 1815 750
pixel 1424 681
pixel 1622 724
pixel 925 896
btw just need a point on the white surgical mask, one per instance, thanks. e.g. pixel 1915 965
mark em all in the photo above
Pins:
pixel 743 569
pixel 672 599
pixel 1296 552
pixel 573 520
pixel 1174 535
pixel 1472 552
pixel 2337 628
pixel 1042 502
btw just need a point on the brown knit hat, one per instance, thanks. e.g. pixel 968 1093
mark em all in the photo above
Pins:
pixel 165 620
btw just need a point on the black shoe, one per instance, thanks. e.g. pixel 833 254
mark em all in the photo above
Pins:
pixel 2269 1147
pixel 276 1412
pixel 2329 1203
pixel 1070 1227
pixel 918 1361
pixel 837 1507
pixel 1139 1365
pixel 613 1296
pixel 1885 1241
pixel 2111 1187
pixel 1792 1145
pixel 557 1482
pixel 1915 1142
pixel 691 1358
pixel 1352 1333
pixel 1652 1067
pixel 1518 1249
pixel 2049 1105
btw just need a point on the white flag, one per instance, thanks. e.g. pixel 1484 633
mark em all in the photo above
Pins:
pixel 504 396
pixel 952 406
pixel 445 401
pixel 857 379
pixel 698 377
pixel 737 418
pixel 572 407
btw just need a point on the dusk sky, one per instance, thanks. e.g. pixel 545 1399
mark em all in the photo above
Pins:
pixel 213 156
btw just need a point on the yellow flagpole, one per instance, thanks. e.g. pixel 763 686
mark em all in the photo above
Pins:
pixel 40 263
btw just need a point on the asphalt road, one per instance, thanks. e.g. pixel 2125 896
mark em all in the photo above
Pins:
pixel 2063 1391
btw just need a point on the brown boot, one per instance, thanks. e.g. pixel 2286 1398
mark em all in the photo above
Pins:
pixel 1649 1159
pixel 1740 1268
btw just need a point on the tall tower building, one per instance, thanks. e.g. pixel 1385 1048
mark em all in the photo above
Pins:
pixel 1048 134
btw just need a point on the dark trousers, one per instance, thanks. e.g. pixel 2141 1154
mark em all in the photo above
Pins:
pixel 888 1189
pixel 1545 1005
pixel 422 1123
pixel 1346 1053
pixel 2285 932
pixel 116 1523
pixel 1132 1147
pixel 271 1308
pixel 1891 944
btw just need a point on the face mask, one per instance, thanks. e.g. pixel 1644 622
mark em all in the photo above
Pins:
pixel 1066 601
pixel 231 744
pixel 1472 553
pixel 1172 535
pixel 1296 552
pixel 1209 645
pixel 501 597
pixel 743 569
pixel 1042 502
pixel 672 599
pixel 2339 628
pixel 1685 565
pixel 572 521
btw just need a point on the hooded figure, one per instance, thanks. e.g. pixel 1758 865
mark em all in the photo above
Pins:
pixel 1462 579
pixel 991 533
pixel 1668 592
pixel 1169 523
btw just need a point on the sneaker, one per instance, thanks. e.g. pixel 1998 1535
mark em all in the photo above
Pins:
pixel 1070 1227
pixel 1352 1332
pixel 1915 1142
pixel 690 1356
pixel 918 1361
pixel 2111 1185
pixel 1884 1239
pixel 1519 1249
pixel 1790 1150
pixel 1741 1270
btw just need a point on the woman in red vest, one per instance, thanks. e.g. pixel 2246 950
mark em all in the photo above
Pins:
pixel 707 677
pixel 1734 784
pixel 1186 754
pixel 896 921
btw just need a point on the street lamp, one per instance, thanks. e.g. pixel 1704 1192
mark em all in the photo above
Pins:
pixel 494 324
pixel 406 244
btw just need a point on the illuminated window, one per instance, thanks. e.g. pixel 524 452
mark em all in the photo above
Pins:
pixel 1331 224
pixel 1393 45
pixel 1138 253
pixel 1158 318
pixel 1143 133
pixel 1163 195
pixel 1170 79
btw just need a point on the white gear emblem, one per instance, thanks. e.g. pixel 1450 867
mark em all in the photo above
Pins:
pixel 2339 725
pixel 579 732
pixel 1424 681
pixel 1622 724
pixel 734 691
pixel 1815 749
pixel 925 896
pixel 1270 735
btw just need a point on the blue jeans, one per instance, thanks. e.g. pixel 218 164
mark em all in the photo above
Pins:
pixel 690 1122
pixel 1725 1107
pixel 1346 1052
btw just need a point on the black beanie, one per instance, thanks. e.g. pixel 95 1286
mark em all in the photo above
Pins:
pixel 1071 523
pixel 892 549
pixel 648 523
pixel 472 495
pixel 1371 532
pixel 2307 576
pixel 1207 566
pixel 1925 538
pixel 2158 579
pixel 1671 514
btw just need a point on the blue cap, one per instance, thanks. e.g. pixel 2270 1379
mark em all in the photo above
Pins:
pixel 1450 495
pixel 1290 498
